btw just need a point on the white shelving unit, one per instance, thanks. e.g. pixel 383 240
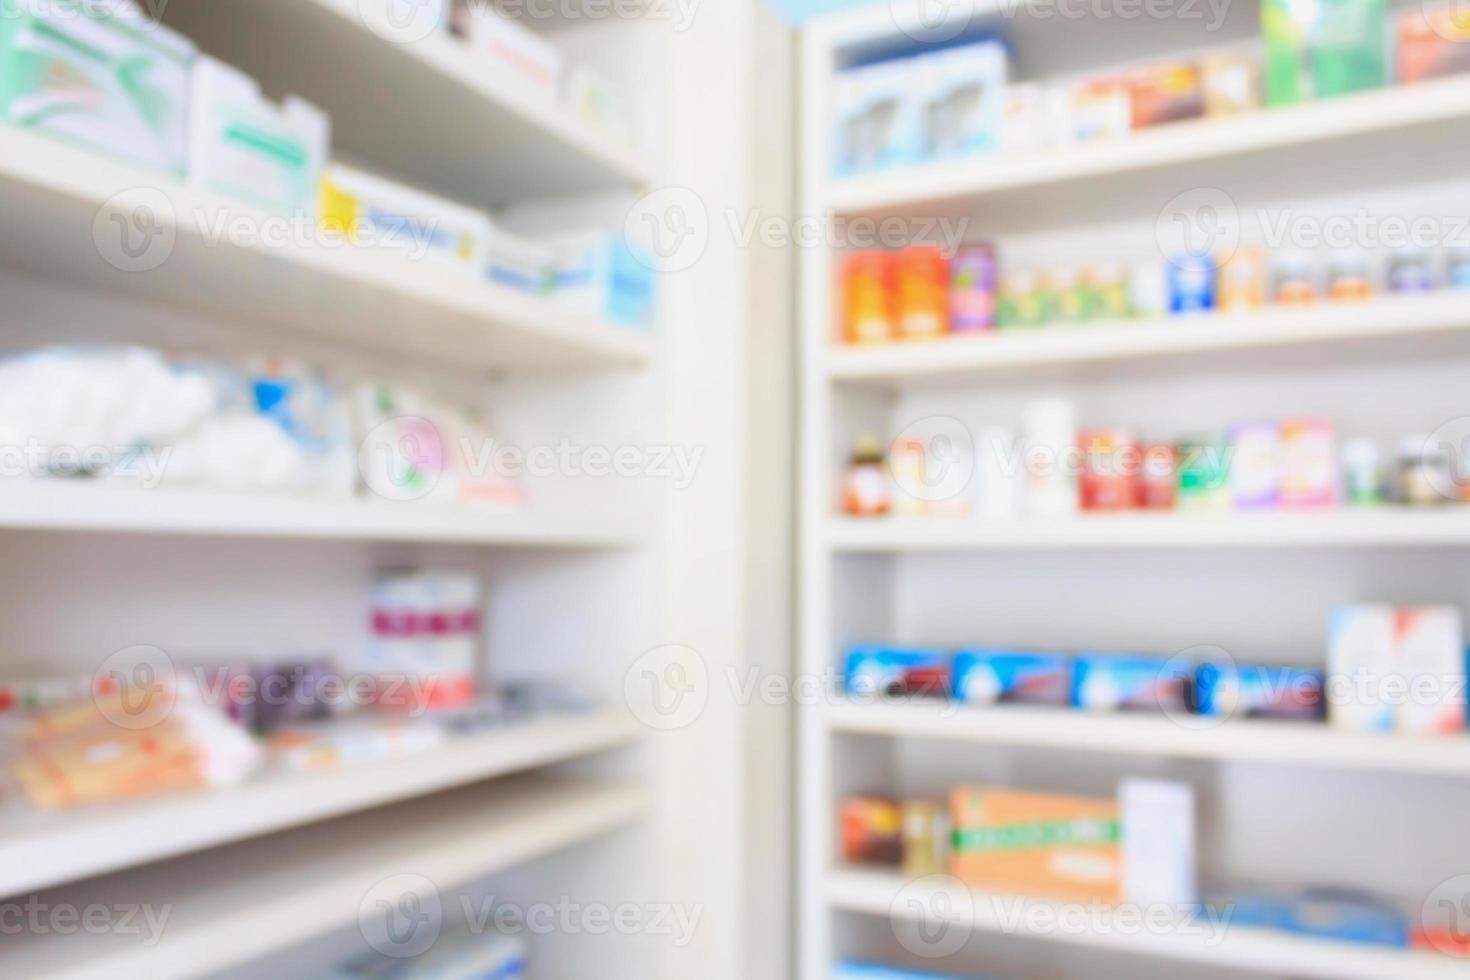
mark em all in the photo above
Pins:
pixel 1387 114
pixel 1388 325
pixel 1249 949
pixel 1280 803
pixel 571 582
pixel 56 506
pixel 56 195
pixel 1264 742
pixel 1378 528
pixel 307 882
pixel 510 145
pixel 41 851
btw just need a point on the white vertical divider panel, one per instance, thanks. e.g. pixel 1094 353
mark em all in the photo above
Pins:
pixel 814 750
pixel 769 844
pixel 698 780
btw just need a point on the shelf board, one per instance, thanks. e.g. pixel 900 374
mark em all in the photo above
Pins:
pixel 1324 124
pixel 1235 740
pixel 885 894
pixel 1381 527
pixel 1320 333
pixel 305 883
pixel 502 144
pixel 41 850
pixel 57 505
pixel 53 196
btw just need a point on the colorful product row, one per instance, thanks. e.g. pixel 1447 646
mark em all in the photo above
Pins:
pixel 1092 682
pixel 917 293
pixel 1055 470
pixel 1140 848
pixel 960 101
pixel 1388 670
pixel 81 753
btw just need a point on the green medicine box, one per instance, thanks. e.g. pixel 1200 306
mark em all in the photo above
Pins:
pixel 106 79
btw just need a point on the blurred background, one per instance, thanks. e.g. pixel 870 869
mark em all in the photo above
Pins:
pixel 767 488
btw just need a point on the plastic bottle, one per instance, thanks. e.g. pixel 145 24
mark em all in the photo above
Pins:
pixel 1051 458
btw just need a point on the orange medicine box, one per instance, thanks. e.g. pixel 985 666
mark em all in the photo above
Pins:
pixel 1038 844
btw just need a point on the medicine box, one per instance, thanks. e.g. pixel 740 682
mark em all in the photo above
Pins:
pixel 1003 677
pixel 1159 856
pixel 606 275
pixel 877 121
pixel 873 971
pixel 1091 109
pixel 1286 693
pixel 242 145
pixel 1360 655
pixel 1316 50
pixel 875 670
pixel 102 79
pixel 1433 41
pixel 461 951
pixel 1023 121
pixel 597 102
pixel 1430 652
pixel 1110 683
pixel 1349 916
pixel 963 90
pixel 384 214
pixel 1165 92
pixel 512 53
pixel 521 263
pixel 1038 844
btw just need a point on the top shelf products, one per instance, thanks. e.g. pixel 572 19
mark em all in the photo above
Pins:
pixel 962 102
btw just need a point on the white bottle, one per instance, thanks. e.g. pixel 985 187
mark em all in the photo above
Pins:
pixel 999 471
pixel 1050 458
